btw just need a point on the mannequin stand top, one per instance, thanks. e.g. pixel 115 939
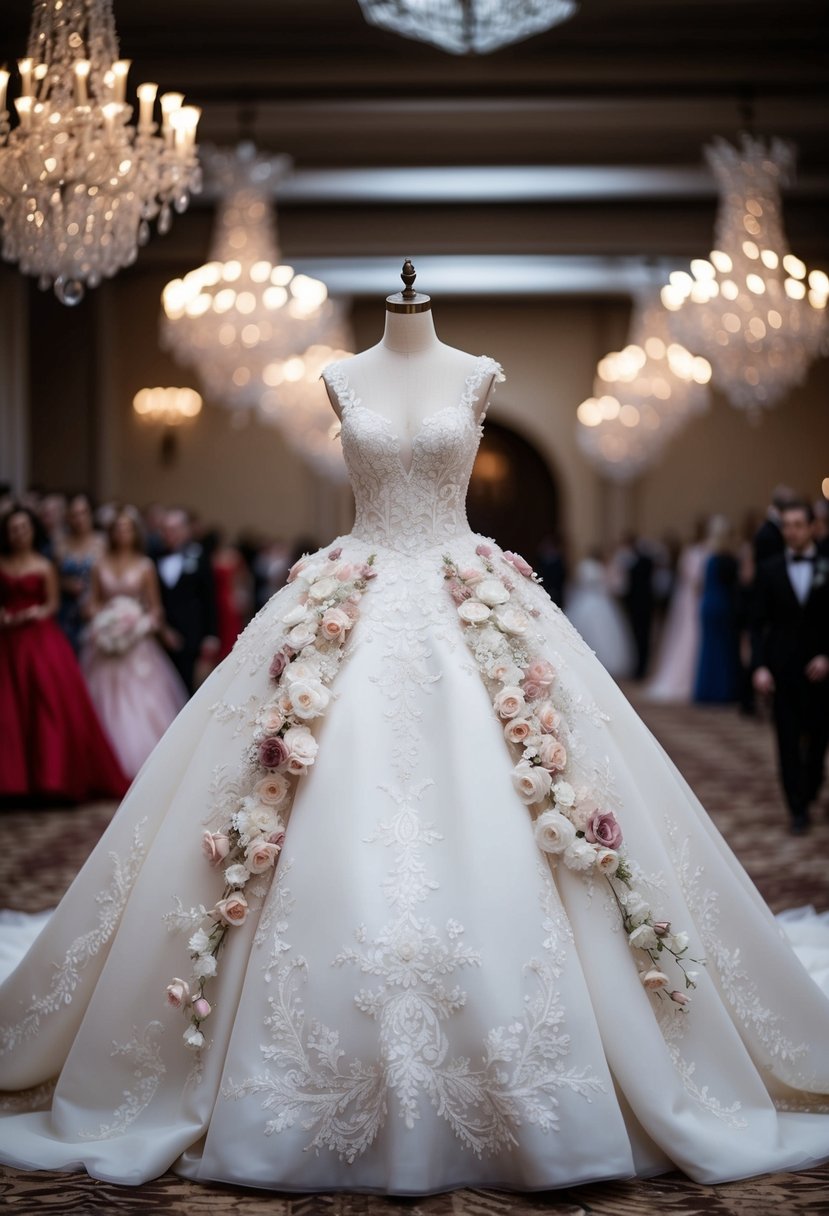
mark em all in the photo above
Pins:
pixel 410 374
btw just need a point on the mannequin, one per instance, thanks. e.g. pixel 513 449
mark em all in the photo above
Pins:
pixel 410 373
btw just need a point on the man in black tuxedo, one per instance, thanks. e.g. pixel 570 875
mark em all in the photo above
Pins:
pixel 188 596
pixel 768 540
pixel 791 657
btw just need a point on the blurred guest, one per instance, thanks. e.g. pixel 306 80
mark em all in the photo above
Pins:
pixel 52 743
pixel 676 666
pixel 188 597
pixel 77 553
pixel 718 669
pixel 599 619
pixel 791 658
pixel 51 512
pixel 134 686
pixel 153 527
pixel 768 540
pixel 634 565
pixel 746 574
pixel 233 590
pixel 552 567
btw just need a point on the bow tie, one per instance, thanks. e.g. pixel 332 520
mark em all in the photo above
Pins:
pixel 801 557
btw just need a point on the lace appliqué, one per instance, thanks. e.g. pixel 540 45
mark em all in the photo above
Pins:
pixel 67 974
pixel 37 1098
pixel 143 1053
pixel 673 1030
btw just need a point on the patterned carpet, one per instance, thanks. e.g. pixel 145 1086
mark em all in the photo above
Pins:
pixel 728 760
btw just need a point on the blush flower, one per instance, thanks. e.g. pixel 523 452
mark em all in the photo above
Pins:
pixel 178 993
pixel 335 624
pixel 278 664
pixel 541 672
pixel 518 730
pixel 202 1008
pixel 274 789
pixel 552 754
pixel 472 612
pixel 484 550
pixel 653 980
pixel 604 829
pixel 272 752
pixel 308 698
pixel 518 563
pixel 549 718
pixel 302 749
pixel 215 846
pixel 233 910
pixel 531 782
pixel 261 855
pixel 509 702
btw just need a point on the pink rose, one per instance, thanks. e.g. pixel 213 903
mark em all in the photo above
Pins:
pixel 233 910
pixel 533 690
pixel 334 554
pixel 604 829
pixel 178 993
pixel 470 575
pixel 271 719
pixel 277 838
pixel 458 592
pixel 335 624
pixel 302 749
pixel 202 1008
pixel 344 573
pixel 278 664
pixel 272 752
pixel 295 570
pixel 509 702
pixel 541 672
pixel 654 980
pixel 215 846
pixel 273 789
pixel 367 572
pixel 516 560
pixel 680 998
pixel 517 731
pixel 549 719
pixel 661 927
pixel 484 551
pixel 552 754
pixel 261 855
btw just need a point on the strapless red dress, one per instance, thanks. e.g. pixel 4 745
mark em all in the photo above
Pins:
pixel 52 743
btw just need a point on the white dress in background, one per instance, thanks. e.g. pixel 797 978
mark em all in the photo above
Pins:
pixel 594 612
pixel 418 1001
pixel 676 666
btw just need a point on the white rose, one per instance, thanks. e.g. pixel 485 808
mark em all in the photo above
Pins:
pixel 564 793
pixel 255 819
pixel 297 614
pixel 308 698
pixel 554 833
pixel 531 782
pixel 607 861
pixel 473 612
pixel 198 942
pixel 635 907
pixel 303 634
pixel 643 938
pixel 580 855
pixel 513 621
pixel 679 942
pixel 312 571
pixel 491 592
pixel 302 749
pixel 193 1037
pixel 509 702
pixel 504 671
pixel 236 876
pixel 323 588
pixel 204 966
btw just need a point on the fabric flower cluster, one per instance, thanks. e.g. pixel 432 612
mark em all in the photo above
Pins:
pixel 283 749
pixel 569 826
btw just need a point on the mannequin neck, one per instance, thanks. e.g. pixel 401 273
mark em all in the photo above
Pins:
pixel 409 333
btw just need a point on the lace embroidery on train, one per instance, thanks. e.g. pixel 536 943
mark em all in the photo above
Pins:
pixel 413 967
pixel 410 510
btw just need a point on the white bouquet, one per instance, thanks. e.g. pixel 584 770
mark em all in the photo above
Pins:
pixel 118 626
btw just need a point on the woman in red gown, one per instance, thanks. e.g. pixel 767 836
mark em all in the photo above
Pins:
pixel 53 746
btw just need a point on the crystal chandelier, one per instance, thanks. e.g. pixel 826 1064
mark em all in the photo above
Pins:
pixel 642 396
pixel 78 184
pixel 239 319
pixel 751 307
pixel 467 27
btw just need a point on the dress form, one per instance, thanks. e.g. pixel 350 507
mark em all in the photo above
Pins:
pixel 410 374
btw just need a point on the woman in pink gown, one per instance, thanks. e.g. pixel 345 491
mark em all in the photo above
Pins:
pixel 133 684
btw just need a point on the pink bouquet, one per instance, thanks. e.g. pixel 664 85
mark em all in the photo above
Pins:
pixel 118 626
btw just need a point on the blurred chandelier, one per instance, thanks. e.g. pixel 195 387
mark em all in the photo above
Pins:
pixel 467 27
pixel 751 307
pixel 78 184
pixel 643 395
pixel 242 317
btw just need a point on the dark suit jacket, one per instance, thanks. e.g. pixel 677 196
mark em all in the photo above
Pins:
pixel 768 542
pixel 190 605
pixel 786 633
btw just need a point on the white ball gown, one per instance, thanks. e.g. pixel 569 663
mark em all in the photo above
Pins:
pixel 593 611
pixel 421 998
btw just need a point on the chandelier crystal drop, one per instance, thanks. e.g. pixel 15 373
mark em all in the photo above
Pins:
pixel 642 396
pixel 467 27
pixel 241 318
pixel 751 307
pixel 78 183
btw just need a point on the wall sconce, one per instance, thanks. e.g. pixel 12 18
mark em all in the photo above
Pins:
pixel 171 408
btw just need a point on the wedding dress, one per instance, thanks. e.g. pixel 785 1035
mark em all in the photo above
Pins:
pixel 594 612
pixel 422 998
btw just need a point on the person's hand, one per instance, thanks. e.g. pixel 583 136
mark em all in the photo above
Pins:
pixel 171 638
pixel 763 681
pixel 817 669
pixel 210 647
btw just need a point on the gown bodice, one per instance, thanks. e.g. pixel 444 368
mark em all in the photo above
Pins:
pixel 413 508
pixel 128 582
pixel 21 591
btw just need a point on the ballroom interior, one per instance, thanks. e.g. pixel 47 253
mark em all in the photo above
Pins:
pixel 555 196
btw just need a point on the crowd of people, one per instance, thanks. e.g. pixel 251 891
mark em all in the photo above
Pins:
pixel 109 619
pixel 741 621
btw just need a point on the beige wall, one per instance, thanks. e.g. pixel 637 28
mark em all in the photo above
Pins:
pixel 247 476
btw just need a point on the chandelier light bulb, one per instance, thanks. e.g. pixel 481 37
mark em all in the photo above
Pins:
pixel 748 308
pixel 78 183
pixel 467 27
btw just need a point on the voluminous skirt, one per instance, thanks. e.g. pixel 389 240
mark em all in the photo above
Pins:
pixel 419 1000
pixel 52 742
pixel 137 696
